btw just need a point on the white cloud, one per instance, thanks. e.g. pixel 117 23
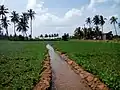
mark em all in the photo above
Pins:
pixel 116 4
pixel 46 22
pixel 94 2
pixel 2 2
pixel 31 4
pixel 73 12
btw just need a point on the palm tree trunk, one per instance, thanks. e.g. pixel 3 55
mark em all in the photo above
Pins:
pixel 89 25
pixel 1 21
pixel 102 28
pixel 102 32
pixel 14 29
pixel 7 32
pixel 31 27
pixel 23 33
pixel 115 29
pixel 2 16
pixel 26 34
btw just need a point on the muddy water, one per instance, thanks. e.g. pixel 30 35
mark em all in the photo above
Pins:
pixel 63 78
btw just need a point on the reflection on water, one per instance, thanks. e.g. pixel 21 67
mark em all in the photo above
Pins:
pixel 63 78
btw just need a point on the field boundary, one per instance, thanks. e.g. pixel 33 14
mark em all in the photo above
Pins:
pixel 89 78
pixel 46 76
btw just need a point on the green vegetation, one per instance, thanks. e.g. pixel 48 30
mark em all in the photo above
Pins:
pixel 20 64
pixel 100 58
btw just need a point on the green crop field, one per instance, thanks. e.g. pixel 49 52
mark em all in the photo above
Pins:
pixel 20 64
pixel 100 58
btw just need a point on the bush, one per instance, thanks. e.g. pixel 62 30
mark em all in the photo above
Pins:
pixel 65 37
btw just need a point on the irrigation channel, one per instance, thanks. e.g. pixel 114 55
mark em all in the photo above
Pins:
pixel 63 77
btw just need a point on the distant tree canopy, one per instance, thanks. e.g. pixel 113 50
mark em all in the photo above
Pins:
pixel 65 37
pixel 95 32
pixel 78 33
pixel 91 33
pixel 95 29
pixel 20 21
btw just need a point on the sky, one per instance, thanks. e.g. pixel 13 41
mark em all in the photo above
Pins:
pixel 63 16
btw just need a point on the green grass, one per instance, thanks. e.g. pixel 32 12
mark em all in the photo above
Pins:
pixel 100 58
pixel 20 64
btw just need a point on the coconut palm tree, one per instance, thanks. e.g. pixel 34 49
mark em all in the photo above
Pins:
pixel 57 35
pixel 41 36
pixel 102 21
pixel 31 14
pixel 52 36
pixel 5 24
pixel 78 33
pixel 46 36
pixel 25 17
pixel 85 30
pixel 22 25
pixel 0 30
pixel 96 20
pixel 97 32
pixel 14 19
pixel 113 20
pixel 88 21
pixel 49 36
pixel 119 24
pixel 3 11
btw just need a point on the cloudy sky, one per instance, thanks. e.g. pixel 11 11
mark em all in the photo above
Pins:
pixel 61 16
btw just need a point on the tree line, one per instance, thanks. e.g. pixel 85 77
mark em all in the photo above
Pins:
pixel 94 31
pixel 49 35
pixel 20 22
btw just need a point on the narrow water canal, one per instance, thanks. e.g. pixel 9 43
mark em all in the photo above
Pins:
pixel 63 77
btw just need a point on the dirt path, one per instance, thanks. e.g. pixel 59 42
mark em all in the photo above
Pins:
pixel 63 77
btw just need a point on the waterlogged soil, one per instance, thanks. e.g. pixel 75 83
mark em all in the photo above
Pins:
pixel 63 77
